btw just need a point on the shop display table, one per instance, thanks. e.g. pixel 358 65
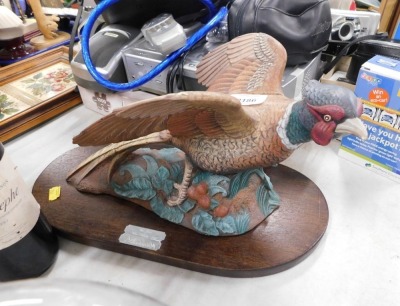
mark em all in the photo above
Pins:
pixel 357 262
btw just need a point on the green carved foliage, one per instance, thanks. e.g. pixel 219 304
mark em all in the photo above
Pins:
pixel 153 183
pixel 205 223
pixel 233 224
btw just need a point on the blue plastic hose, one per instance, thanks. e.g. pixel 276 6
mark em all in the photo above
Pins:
pixel 196 37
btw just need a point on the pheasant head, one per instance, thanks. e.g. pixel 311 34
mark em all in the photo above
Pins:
pixel 326 111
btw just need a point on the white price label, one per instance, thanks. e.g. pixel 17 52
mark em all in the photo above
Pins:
pixel 249 99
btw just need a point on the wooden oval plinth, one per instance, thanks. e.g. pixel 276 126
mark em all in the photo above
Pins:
pixel 284 239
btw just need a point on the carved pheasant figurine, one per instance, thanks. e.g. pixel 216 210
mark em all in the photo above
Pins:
pixel 243 121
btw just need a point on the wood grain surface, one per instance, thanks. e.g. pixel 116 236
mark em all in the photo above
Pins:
pixel 284 239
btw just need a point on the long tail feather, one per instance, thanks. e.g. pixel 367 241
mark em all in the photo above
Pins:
pixel 90 163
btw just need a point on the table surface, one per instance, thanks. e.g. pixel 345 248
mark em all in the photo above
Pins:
pixel 356 263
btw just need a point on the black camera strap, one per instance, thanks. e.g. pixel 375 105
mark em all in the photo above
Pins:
pixel 329 66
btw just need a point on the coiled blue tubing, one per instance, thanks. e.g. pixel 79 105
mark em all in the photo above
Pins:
pixel 191 41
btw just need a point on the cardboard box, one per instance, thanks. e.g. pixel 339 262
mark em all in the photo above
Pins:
pixel 378 85
pixel 105 103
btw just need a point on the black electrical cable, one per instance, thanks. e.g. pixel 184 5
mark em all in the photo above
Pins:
pixel 328 67
pixel 171 78
pixel 182 65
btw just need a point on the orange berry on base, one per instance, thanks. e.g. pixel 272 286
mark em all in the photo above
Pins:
pixel 202 188
pixel 221 211
pixel 192 193
pixel 204 202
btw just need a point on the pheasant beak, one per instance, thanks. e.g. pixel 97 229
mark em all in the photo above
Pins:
pixel 352 126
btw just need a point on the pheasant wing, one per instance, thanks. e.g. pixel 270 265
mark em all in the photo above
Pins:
pixel 184 114
pixel 251 63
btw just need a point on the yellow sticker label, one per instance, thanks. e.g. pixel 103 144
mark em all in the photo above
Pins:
pixel 54 193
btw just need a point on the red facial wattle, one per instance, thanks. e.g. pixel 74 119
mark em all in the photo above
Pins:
pixel 323 132
pixel 327 116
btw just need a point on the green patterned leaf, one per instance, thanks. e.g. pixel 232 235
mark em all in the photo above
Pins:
pixel 267 200
pixel 172 214
pixel 234 186
pixel 187 205
pixel 168 186
pixel 134 170
pixel 204 223
pixel 176 172
pixel 242 222
pixel 241 180
pixel 201 176
pixel 152 165
pixel 210 178
pixel 157 205
pixel 213 190
pixel 226 225
pixel 137 188
pixel 214 204
pixel 216 183
pixel 163 173
pixel 161 181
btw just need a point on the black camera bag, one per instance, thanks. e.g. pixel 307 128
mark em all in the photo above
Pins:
pixel 136 12
pixel 303 27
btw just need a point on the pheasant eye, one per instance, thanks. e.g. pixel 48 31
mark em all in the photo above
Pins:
pixel 327 118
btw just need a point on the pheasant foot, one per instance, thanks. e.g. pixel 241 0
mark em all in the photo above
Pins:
pixel 183 186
